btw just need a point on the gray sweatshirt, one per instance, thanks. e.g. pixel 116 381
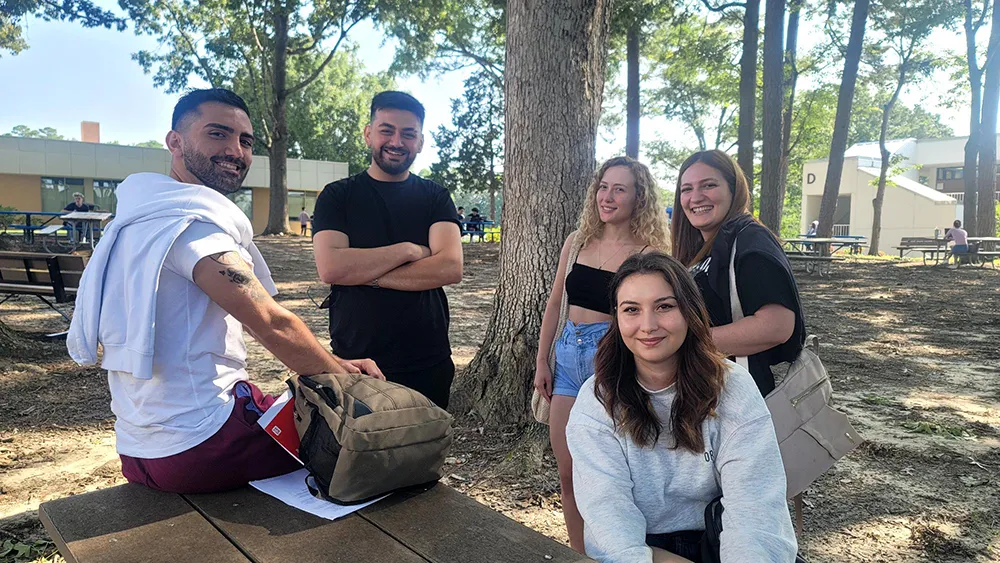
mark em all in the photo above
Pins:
pixel 625 492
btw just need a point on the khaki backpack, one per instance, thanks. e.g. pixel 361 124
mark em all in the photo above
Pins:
pixel 363 437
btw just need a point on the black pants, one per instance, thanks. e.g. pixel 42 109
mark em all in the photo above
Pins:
pixel 433 382
pixel 687 544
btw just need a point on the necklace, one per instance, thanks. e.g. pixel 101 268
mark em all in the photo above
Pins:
pixel 615 253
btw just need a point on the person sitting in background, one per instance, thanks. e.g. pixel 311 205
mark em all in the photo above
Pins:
pixel 475 224
pixel 75 228
pixel 667 425
pixel 813 228
pixel 961 246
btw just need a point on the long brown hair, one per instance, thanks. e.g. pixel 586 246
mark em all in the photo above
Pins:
pixel 647 223
pixel 700 367
pixel 688 245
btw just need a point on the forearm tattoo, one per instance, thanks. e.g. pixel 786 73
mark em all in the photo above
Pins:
pixel 238 271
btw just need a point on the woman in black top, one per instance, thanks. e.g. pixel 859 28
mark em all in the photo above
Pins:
pixel 621 216
pixel 713 194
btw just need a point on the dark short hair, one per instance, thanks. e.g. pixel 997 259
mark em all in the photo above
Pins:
pixel 190 102
pixel 460 207
pixel 957 223
pixel 392 99
pixel 475 210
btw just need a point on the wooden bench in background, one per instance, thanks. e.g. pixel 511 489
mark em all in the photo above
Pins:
pixel 814 263
pixel 132 523
pixel 55 276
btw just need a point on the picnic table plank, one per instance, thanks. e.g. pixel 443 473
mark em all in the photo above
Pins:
pixel 446 526
pixel 135 524
pixel 270 531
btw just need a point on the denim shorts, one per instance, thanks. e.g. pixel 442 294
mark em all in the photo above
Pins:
pixel 575 356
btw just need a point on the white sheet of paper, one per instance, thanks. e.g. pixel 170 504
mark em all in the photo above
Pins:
pixel 291 489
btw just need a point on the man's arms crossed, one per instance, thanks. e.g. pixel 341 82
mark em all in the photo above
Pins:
pixel 230 282
pixel 404 266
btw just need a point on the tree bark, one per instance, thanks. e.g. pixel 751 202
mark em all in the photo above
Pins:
pixel 748 91
pixel 972 145
pixel 986 202
pixel 277 218
pixel 770 175
pixel 556 53
pixel 886 162
pixel 632 89
pixel 842 122
pixel 791 48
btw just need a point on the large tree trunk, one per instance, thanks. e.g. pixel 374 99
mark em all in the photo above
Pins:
pixel 748 91
pixel 886 162
pixel 770 174
pixel 277 217
pixel 556 53
pixel 986 202
pixel 632 112
pixel 791 48
pixel 972 145
pixel 842 122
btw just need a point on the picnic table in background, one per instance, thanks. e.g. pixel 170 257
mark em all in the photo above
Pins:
pixel 936 248
pixel 987 249
pixel 803 245
pixel 91 221
pixel 28 228
pixel 472 228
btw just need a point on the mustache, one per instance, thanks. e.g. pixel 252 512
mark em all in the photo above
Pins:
pixel 239 162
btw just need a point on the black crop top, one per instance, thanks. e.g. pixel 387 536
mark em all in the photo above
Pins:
pixel 590 288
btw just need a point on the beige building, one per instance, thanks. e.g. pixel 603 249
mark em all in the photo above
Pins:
pixel 925 197
pixel 41 175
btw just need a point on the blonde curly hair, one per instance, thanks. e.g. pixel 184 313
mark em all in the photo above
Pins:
pixel 647 222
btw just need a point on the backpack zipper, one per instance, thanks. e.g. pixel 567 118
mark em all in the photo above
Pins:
pixel 809 391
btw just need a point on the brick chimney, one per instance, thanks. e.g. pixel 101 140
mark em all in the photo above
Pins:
pixel 90 132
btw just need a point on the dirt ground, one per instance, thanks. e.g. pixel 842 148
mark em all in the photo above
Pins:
pixel 914 353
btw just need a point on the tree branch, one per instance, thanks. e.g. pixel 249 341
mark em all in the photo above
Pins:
pixel 343 34
pixel 724 6
pixel 209 74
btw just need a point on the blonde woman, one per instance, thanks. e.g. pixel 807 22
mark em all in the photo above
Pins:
pixel 621 216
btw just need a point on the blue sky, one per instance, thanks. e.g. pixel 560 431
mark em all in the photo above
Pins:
pixel 70 74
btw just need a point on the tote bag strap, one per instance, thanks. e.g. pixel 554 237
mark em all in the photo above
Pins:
pixel 734 299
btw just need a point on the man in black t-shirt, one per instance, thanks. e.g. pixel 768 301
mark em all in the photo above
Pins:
pixel 76 227
pixel 387 241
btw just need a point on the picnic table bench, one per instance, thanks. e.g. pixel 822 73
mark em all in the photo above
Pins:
pixel 42 275
pixel 439 525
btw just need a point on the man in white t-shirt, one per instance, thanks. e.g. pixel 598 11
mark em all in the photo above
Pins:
pixel 303 221
pixel 169 292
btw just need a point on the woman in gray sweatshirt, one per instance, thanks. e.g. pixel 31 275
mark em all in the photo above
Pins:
pixel 667 425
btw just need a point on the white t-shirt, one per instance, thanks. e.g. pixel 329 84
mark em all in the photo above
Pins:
pixel 303 217
pixel 198 356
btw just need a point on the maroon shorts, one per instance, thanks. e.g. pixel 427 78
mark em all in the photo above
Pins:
pixel 238 453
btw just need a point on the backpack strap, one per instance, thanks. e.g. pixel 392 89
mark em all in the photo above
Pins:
pixel 734 299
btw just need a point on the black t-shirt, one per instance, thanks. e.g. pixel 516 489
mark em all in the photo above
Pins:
pixel 763 277
pixel 74 207
pixel 475 218
pixel 400 330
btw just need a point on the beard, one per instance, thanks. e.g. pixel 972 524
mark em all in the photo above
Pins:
pixel 392 168
pixel 203 167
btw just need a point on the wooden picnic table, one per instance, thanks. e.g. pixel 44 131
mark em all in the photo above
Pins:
pixel 801 245
pixel 439 525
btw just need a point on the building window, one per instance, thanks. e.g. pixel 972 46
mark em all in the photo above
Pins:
pixel 298 200
pixel 244 200
pixel 104 195
pixel 57 193
pixel 953 173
